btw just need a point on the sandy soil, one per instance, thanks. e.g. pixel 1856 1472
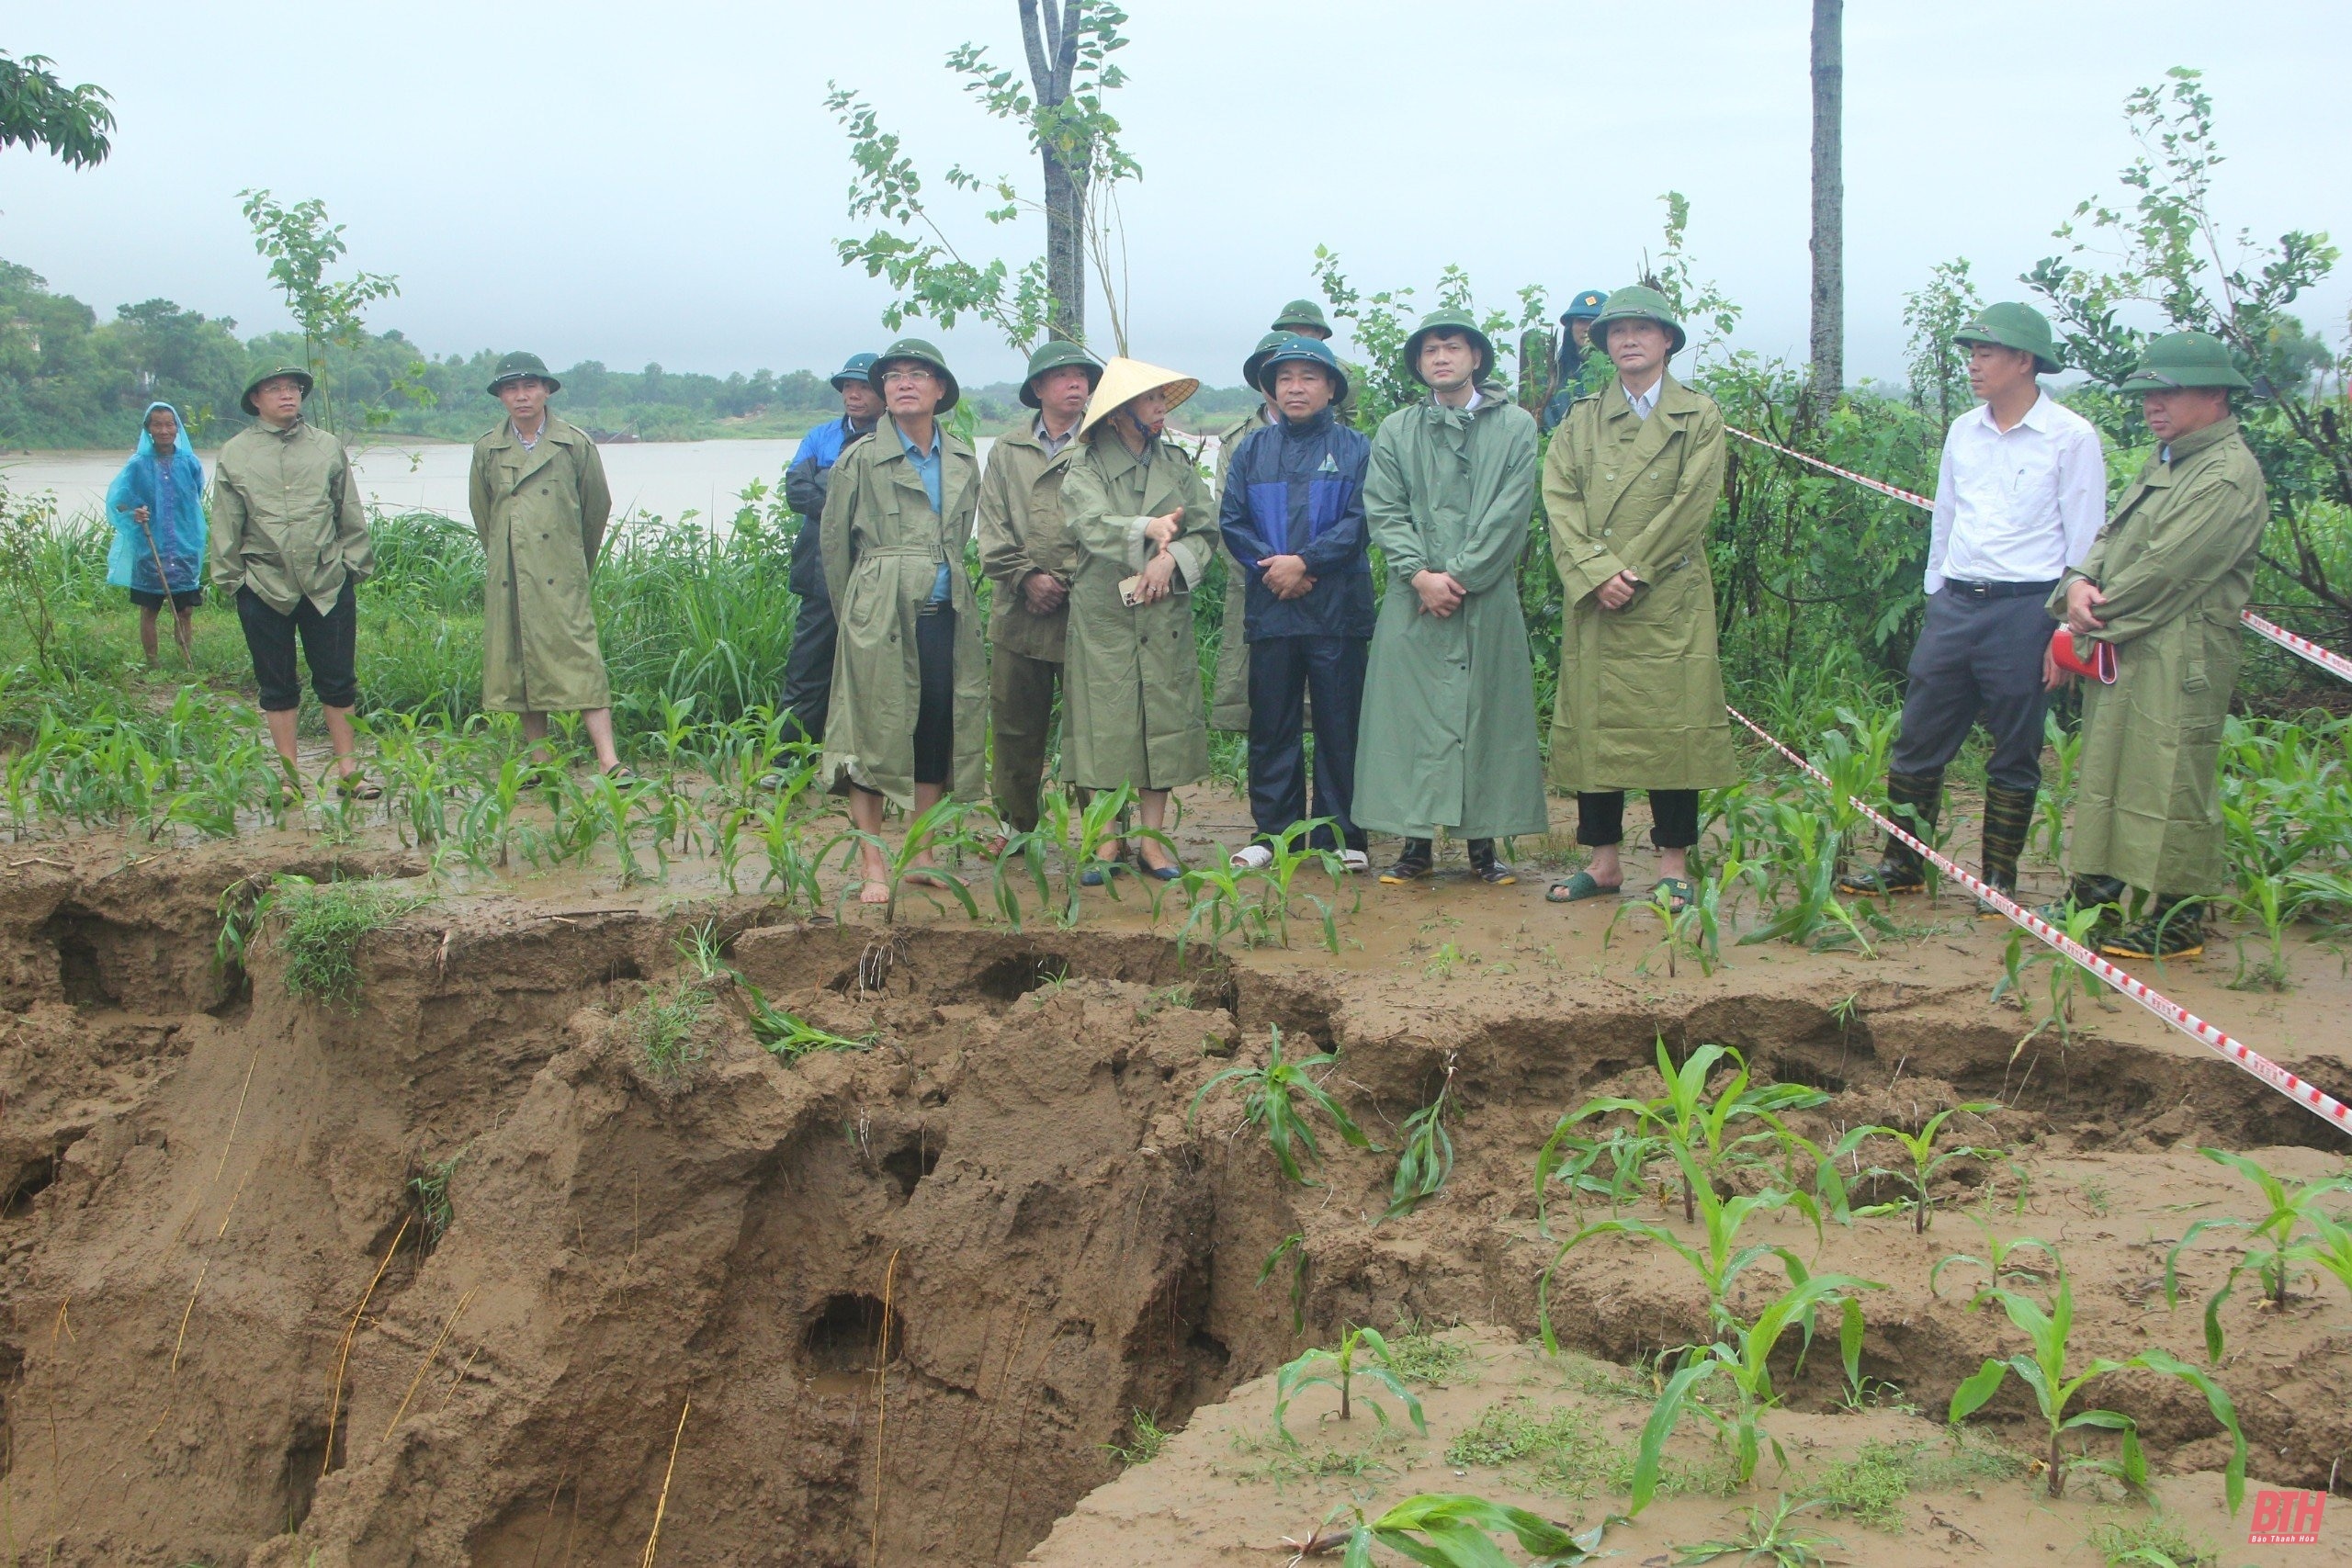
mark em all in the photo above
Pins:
pixel 232 1335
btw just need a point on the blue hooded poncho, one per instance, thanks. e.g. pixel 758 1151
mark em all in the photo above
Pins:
pixel 173 492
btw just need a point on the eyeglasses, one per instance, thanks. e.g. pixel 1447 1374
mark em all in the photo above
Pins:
pixel 914 376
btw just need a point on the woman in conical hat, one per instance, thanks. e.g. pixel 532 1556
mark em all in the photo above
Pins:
pixel 1138 508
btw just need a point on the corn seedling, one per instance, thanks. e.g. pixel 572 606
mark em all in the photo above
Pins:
pixel 1925 1160
pixel 2328 1248
pixel 2043 1370
pixel 1995 1263
pixel 2271 1254
pixel 702 946
pixel 2065 751
pixel 1451 1530
pixel 1611 1167
pixel 1718 1258
pixel 1270 1102
pixel 1770 1538
pixel 2066 981
pixel 2270 904
pixel 1696 930
pixel 788 1038
pixel 1427 1158
pixel 941 831
pixel 1292 1246
pixel 1802 857
pixel 1745 1360
pixel 1685 1120
pixel 1339 1368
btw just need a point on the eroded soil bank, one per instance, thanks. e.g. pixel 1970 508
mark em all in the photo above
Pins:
pixel 236 1331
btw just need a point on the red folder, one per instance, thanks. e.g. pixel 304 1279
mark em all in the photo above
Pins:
pixel 2099 666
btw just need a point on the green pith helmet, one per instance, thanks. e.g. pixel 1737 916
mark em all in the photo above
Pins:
pixel 1297 348
pixel 1301 314
pixel 1052 355
pixel 854 368
pixel 516 366
pixel 922 353
pixel 1635 304
pixel 1450 321
pixel 2184 359
pixel 1584 306
pixel 2012 325
pixel 296 371
pixel 1266 345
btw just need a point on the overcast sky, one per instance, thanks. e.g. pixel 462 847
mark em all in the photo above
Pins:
pixel 631 183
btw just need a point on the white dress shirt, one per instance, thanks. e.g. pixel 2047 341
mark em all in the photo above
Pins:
pixel 1643 402
pixel 2017 506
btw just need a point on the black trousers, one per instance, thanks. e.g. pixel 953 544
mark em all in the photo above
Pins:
pixel 1978 658
pixel 936 703
pixel 807 694
pixel 1674 818
pixel 1284 671
pixel 330 642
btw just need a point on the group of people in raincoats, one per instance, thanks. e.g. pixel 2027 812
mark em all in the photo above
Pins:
pixel 1095 527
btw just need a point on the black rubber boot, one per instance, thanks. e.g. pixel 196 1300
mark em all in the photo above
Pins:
pixel 1412 865
pixel 2105 892
pixel 2175 928
pixel 1914 800
pixel 2008 816
pixel 1487 868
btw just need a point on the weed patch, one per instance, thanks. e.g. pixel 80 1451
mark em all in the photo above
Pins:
pixel 317 926
pixel 664 1026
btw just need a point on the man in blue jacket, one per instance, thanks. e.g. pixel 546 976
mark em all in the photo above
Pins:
pixel 809 667
pixel 1293 514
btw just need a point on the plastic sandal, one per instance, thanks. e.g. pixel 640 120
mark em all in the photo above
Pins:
pixel 1579 887
pixel 1251 857
pixel 1679 894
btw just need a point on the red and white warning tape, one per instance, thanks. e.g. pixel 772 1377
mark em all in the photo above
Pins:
pixel 2326 1106
pixel 2302 647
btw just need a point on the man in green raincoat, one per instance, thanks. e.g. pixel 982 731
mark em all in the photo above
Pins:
pixel 1448 734
pixel 540 503
pixel 1630 484
pixel 289 544
pixel 909 716
pixel 1029 558
pixel 1138 509
pixel 1230 699
pixel 2163 587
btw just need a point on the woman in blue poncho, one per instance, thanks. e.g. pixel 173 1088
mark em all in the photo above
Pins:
pixel 157 507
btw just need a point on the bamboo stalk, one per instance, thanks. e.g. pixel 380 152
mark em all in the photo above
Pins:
pixel 343 1359
pixel 662 1505
pixel 425 1365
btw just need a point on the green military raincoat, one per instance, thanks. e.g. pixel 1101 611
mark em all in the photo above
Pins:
pixel 541 515
pixel 1448 733
pixel 287 518
pixel 1641 695
pixel 1132 678
pixel 1020 532
pixel 2176 564
pixel 1229 704
pixel 883 545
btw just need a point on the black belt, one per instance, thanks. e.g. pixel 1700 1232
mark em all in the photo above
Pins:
pixel 1953 586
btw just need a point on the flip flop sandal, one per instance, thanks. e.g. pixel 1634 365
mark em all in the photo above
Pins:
pixel 352 786
pixel 1251 857
pixel 1579 887
pixel 1679 894
pixel 621 773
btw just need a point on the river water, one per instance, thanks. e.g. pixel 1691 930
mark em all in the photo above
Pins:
pixel 664 477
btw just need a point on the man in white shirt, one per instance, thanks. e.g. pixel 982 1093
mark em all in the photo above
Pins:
pixel 2019 498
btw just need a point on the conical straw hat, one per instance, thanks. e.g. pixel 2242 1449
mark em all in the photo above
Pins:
pixel 1126 378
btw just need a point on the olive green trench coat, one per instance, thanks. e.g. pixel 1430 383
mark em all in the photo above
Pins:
pixel 2175 561
pixel 1447 739
pixel 1641 695
pixel 1229 704
pixel 541 515
pixel 287 518
pixel 1020 532
pixel 883 545
pixel 1132 677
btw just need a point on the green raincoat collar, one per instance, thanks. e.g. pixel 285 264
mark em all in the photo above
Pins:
pixel 2196 441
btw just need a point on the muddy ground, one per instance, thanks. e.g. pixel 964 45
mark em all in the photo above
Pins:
pixel 233 1333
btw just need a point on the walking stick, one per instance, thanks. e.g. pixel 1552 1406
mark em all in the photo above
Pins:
pixel 179 629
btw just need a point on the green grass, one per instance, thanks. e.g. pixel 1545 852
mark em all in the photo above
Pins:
pixel 1145 1441
pixel 1873 1486
pixel 2152 1542
pixel 1418 1355
pixel 664 1024
pixel 317 929
pixel 1562 1450
pixel 1282 1463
